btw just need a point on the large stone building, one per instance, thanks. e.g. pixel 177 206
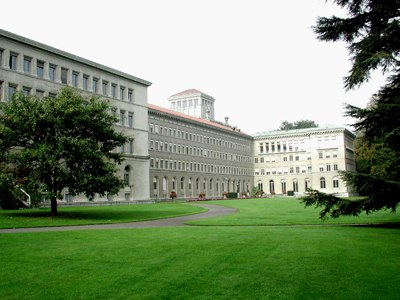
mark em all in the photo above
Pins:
pixel 296 160
pixel 191 155
pixel 37 69
pixel 182 149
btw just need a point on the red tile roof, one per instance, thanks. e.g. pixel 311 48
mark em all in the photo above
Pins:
pixel 196 119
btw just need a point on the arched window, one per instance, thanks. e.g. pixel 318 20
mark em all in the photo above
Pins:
pixel 190 183
pixel 211 184
pixel 283 186
pixel 271 187
pixel 154 183
pixel 295 186
pixel 260 185
pixel 197 183
pixel 182 183
pixel 126 175
pixel 174 183
pixel 322 183
pixel 307 184
pixel 165 184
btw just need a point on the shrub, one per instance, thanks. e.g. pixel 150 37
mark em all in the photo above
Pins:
pixel 232 195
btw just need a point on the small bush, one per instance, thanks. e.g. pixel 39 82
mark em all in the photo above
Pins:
pixel 232 195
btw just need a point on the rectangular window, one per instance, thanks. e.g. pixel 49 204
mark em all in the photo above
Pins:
pixel 85 82
pixel 130 95
pixel 335 167
pixel 95 85
pixel 52 72
pixel 122 117
pixel 1 90
pixel 13 61
pixel 40 69
pixel 320 155
pixel 75 76
pixel 64 75
pixel 130 120
pixel 104 87
pixel 12 89
pixel 27 65
pixel 328 168
pixel 39 94
pixel 335 183
pixel 130 147
pixel 113 90
pixel 122 93
pixel 26 91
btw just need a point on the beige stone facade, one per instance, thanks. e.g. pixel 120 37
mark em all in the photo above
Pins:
pixel 38 69
pixel 296 160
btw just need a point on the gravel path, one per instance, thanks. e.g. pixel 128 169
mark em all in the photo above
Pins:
pixel 213 211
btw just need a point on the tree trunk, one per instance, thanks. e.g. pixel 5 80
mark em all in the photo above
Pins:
pixel 53 203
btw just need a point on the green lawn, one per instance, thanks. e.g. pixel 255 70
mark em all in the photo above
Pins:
pixel 207 262
pixel 286 211
pixel 94 215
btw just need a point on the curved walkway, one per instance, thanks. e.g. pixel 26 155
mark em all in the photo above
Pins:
pixel 213 211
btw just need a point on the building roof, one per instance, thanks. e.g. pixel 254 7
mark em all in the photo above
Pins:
pixel 316 130
pixel 190 92
pixel 214 124
pixel 70 56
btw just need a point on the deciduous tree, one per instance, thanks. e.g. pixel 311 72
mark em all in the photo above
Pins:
pixel 66 141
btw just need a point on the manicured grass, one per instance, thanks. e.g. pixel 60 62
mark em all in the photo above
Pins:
pixel 310 262
pixel 285 259
pixel 94 215
pixel 286 211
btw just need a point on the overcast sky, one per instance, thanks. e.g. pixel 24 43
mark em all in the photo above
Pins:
pixel 259 59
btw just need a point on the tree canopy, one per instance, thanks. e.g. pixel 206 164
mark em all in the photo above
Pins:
pixel 372 32
pixel 286 125
pixel 66 141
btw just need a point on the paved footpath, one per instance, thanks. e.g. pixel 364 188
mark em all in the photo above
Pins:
pixel 213 211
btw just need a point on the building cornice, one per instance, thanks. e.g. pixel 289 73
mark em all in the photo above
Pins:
pixel 43 47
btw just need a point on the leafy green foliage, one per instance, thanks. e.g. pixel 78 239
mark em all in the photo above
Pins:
pixel 372 32
pixel 65 141
pixel 297 125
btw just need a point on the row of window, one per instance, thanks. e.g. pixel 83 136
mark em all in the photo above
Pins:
pixel 293 145
pixel 295 185
pixel 293 170
pixel 275 158
pixel 166 164
pixel 213 185
pixel 53 72
pixel 125 118
pixel 180 134
pixel 193 151
pixel 127 148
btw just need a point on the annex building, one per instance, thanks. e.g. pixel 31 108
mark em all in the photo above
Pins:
pixel 296 160
pixel 181 149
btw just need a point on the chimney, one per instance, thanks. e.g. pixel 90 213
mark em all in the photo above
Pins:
pixel 226 120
